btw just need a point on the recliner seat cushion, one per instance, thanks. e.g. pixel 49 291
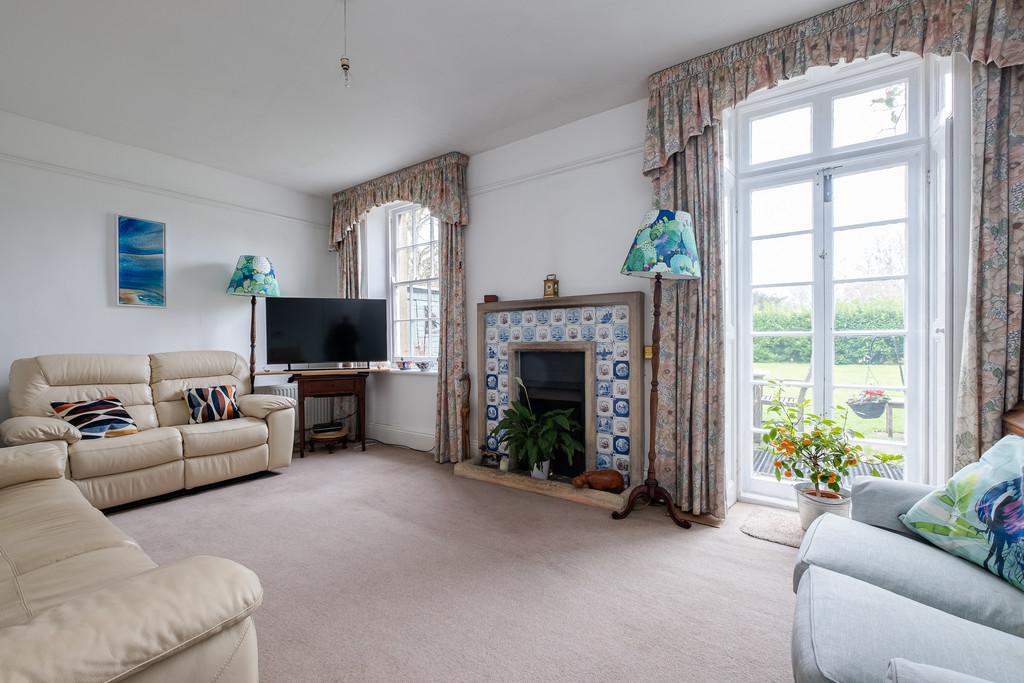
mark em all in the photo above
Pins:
pixel 912 569
pixel 225 436
pixel 99 457
pixel 845 629
pixel 53 545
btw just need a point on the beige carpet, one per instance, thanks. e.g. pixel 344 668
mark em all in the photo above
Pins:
pixel 383 566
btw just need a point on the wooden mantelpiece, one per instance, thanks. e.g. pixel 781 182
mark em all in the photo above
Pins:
pixel 634 301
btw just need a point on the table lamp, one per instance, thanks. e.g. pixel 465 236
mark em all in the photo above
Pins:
pixel 664 248
pixel 254 276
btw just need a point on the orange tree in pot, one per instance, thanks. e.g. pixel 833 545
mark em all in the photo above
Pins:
pixel 818 453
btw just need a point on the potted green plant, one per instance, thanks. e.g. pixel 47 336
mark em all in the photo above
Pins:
pixel 534 439
pixel 869 403
pixel 818 450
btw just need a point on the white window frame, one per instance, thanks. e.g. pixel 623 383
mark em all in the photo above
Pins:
pixel 393 212
pixel 924 267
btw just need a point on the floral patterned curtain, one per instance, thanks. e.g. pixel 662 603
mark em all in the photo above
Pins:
pixel 440 185
pixel 689 439
pixel 990 376
pixel 687 100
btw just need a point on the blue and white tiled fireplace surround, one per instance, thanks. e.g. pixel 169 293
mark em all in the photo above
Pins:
pixel 608 328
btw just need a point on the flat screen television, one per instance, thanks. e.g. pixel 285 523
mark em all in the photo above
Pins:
pixel 303 330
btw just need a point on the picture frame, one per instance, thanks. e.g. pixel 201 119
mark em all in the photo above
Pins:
pixel 141 262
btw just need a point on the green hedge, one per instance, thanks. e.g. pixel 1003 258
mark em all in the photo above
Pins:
pixel 870 314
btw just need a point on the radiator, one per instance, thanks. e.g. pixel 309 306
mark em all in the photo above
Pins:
pixel 318 410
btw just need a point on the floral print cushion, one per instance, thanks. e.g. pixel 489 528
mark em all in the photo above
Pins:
pixel 979 515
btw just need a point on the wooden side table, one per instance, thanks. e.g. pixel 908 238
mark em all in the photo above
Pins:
pixel 1013 421
pixel 324 385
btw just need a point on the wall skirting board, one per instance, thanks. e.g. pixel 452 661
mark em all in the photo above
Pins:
pixel 393 434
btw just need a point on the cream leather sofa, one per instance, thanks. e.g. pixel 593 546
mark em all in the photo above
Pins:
pixel 168 453
pixel 81 602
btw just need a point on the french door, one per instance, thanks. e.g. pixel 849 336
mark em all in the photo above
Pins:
pixel 831 312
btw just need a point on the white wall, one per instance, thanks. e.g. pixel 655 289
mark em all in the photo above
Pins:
pixel 566 201
pixel 60 192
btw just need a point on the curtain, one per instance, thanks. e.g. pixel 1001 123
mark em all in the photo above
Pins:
pixel 348 288
pixel 440 185
pixel 681 158
pixel 689 439
pixel 990 377
pixel 451 433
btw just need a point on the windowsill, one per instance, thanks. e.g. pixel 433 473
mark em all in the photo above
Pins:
pixel 429 373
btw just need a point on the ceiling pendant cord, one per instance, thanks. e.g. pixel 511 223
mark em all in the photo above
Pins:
pixel 345 64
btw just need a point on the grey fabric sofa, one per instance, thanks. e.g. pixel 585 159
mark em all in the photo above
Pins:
pixel 876 603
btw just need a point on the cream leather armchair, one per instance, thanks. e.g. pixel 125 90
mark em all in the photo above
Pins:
pixel 85 603
pixel 168 453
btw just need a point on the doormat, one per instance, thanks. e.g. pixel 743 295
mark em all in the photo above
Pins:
pixel 777 526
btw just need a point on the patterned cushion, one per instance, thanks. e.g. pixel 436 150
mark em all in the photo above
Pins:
pixel 979 515
pixel 211 404
pixel 97 419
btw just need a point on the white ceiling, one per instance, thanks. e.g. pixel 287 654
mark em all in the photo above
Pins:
pixel 252 86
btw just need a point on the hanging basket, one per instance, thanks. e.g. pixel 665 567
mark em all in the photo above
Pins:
pixel 868 410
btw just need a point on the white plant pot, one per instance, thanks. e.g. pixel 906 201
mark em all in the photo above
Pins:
pixel 541 470
pixel 811 507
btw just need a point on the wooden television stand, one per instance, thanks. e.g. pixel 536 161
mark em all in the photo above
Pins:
pixel 331 383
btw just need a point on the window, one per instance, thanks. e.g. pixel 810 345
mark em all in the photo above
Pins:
pixel 414 296
pixel 832 259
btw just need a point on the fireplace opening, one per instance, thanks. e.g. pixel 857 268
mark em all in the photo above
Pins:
pixel 556 380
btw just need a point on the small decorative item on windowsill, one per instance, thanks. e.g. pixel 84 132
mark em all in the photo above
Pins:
pixel 551 286
pixel 869 404
pixel 819 450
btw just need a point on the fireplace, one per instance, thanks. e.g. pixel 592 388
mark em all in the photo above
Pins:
pixel 606 330
pixel 558 376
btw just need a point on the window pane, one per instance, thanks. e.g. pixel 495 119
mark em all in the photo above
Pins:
pixel 873 115
pixel 867 252
pixel 870 196
pixel 870 305
pixel 401 339
pixel 764 395
pixel 435 268
pixel 400 303
pixel 782 358
pixel 424 262
pixel 405 264
pixel 875 413
pixel 435 299
pixel 420 338
pixel 420 300
pixel 780 136
pixel 870 361
pixel 423 223
pixel 403 229
pixel 781 209
pixel 889 471
pixel 781 309
pixel 781 259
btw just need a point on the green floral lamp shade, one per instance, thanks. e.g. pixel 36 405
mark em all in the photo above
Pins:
pixel 664 244
pixel 254 276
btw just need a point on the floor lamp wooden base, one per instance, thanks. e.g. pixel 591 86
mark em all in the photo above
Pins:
pixel 651 492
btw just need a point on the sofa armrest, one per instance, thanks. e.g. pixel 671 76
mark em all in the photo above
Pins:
pixel 261 405
pixel 18 431
pixel 115 632
pixel 906 671
pixel 22 464
pixel 880 502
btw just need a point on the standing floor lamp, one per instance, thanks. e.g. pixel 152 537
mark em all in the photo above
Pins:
pixel 665 247
pixel 254 276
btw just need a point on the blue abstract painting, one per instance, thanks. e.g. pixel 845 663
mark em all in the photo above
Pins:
pixel 141 262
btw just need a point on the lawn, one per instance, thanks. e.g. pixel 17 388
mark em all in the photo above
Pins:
pixel 881 375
